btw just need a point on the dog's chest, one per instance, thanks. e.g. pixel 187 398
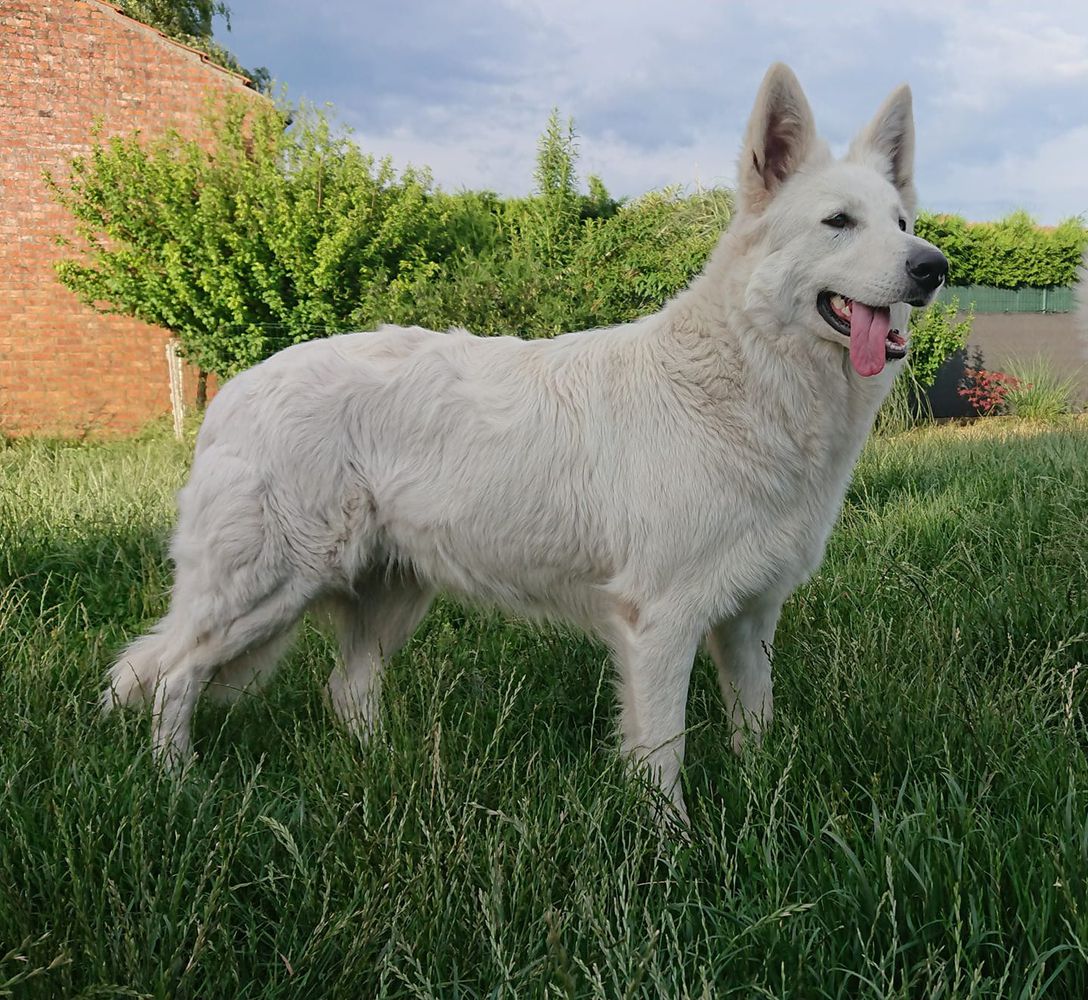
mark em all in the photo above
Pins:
pixel 795 491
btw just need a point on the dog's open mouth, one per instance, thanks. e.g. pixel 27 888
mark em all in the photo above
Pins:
pixel 872 340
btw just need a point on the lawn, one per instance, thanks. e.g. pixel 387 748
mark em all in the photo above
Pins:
pixel 916 824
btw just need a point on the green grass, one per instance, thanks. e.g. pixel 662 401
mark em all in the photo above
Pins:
pixel 915 826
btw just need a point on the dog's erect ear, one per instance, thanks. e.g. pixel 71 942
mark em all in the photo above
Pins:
pixel 887 143
pixel 781 134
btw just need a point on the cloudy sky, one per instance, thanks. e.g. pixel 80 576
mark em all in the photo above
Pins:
pixel 660 91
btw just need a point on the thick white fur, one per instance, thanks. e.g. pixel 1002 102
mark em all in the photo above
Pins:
pixel 657 483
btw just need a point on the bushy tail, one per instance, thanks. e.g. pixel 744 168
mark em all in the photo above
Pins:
pixel 136 672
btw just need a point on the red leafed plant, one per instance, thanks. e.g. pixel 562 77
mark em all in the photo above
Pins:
pixel 987 391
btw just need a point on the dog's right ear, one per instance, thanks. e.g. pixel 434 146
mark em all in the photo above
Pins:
pixel 781 134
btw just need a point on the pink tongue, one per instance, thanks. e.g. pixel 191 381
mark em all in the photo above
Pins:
pixel 868 336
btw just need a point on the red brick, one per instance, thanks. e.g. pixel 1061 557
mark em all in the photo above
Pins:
pixel 63 65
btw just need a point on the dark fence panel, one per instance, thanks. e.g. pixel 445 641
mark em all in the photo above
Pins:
pixel 985 299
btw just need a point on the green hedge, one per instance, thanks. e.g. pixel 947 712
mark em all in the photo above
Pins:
pixel 1013 252
pixel 277 236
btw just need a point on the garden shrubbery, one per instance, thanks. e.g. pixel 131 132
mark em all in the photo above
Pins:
pixel 1013 252
pixel 278 234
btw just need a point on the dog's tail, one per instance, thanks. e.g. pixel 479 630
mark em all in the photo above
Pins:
pixel 135 674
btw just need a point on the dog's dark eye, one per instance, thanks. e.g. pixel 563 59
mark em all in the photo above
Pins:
pixel 840 220
pixel 903 224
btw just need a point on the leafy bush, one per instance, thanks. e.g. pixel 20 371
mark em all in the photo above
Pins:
pixel 988 391
pixel 562 260
pixel 1010 253
pixel 271 237
pixel 935 336
pixel 1030 391
pixel 631 264
pixel 953 237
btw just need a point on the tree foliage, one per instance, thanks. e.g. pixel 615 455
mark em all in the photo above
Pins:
pixel 191 22
pixel 274 236
pixel 192 18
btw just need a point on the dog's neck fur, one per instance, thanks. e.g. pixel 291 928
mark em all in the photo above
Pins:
pixel 816 412
pixel 795 361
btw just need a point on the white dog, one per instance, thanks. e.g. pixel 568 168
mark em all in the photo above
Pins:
pixel 655 483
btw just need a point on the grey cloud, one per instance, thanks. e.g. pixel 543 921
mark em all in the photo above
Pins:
pixel 660 93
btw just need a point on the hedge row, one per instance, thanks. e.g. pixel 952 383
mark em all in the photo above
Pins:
pixel 1011 253
pixel 278 236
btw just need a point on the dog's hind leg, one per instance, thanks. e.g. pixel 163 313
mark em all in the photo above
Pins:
pixel 248 561
pixel 741 648
pixel 196 655
pixel 250 672
pixel 371 625
pixel 172 665
pixel 654 663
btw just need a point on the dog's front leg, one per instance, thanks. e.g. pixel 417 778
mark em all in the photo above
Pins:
pixel 741 648
pixel 654 664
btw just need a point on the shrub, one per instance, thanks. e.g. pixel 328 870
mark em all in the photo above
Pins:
pixel 1039 394
pixel 1010 253
pixel 988 392
pixel 271 237
pixel 935 336
pixel 632 263
pixel 561 260
pixel 955 239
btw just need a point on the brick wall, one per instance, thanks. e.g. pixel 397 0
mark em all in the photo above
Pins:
pixel 65 369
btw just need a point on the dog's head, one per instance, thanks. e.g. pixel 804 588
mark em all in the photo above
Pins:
pixel 838 258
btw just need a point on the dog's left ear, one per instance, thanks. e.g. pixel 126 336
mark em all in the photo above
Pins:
pixel 887 144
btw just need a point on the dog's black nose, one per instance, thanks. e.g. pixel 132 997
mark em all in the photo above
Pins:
pixel 928 267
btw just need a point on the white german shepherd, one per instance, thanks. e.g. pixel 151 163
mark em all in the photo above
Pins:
pixel 657 483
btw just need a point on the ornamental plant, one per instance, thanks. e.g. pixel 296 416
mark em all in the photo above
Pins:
pixel 935 335
pixel 988 391
pixel 1042 394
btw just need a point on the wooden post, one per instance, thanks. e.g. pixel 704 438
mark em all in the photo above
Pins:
pixel 177 399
